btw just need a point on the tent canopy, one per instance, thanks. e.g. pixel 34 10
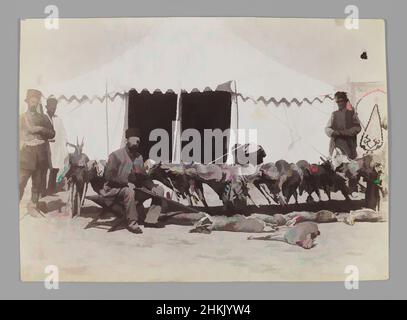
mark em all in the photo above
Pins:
pixel 183 54
pixel 187 55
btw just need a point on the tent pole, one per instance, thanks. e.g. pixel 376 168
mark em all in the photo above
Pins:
pixel 179 146
pixel 237 107
pixel 126 118
pixel 107 121
pixel 177 129
pixel 237 115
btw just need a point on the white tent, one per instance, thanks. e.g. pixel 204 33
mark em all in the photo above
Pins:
pixel 199 54
pixel 186 54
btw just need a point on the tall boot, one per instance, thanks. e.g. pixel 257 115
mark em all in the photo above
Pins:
pixel 35 197
pixel 32 206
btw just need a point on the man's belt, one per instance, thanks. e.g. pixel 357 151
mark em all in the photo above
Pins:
pixel 33 143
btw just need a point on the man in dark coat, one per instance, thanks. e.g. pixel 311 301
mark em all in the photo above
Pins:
pixel 35 157
pixel 343 127
pixel 124 170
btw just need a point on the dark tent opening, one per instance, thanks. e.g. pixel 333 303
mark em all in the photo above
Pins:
pixel 149 111
pixel 207 110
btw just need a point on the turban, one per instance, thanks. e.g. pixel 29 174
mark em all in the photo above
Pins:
pixel 33 93
pixel 341 95
pixel 52 102
pixel 132 132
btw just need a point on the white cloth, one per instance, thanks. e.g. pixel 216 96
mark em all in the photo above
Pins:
pixel 59 151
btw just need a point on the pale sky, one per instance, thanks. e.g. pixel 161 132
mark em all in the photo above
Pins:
pixel 321 48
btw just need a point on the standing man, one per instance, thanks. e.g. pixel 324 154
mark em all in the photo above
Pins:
pixel 35 158
pixel 343 127
pixel 59 151
pixel 124 171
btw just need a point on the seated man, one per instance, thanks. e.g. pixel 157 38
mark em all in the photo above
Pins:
pixel 124 170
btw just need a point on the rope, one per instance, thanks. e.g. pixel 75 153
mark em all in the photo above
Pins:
pixel 327 113
pixel 227 153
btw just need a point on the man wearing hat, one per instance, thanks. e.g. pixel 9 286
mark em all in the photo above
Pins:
pixel 124 170
pixel 35 131
pixel 59 151
pixel 343 127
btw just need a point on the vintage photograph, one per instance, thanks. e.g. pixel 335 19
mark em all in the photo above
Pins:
pixel 203 149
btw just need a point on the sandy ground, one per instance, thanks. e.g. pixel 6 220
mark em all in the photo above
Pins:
pixel 174 254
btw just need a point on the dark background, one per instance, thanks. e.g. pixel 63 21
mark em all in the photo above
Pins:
pixel 148 111
pixel 207 110
pixel 200 111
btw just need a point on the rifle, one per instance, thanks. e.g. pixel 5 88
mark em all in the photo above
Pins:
pixel 169 201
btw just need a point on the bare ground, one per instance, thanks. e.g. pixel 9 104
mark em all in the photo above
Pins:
pixel 174 254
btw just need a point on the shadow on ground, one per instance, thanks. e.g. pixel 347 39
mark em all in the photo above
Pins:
pixel 331 205
pixel 109 221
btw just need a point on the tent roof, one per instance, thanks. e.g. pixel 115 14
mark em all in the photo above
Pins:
pixel 184 54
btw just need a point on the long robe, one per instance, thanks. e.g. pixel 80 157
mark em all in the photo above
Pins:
pixel 59 151
pixel 34 147
pixel 345 123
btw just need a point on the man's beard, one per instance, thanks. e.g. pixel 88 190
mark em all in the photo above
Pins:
pixel 133 149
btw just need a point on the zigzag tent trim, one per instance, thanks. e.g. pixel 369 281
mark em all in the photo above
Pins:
pixel 285 101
